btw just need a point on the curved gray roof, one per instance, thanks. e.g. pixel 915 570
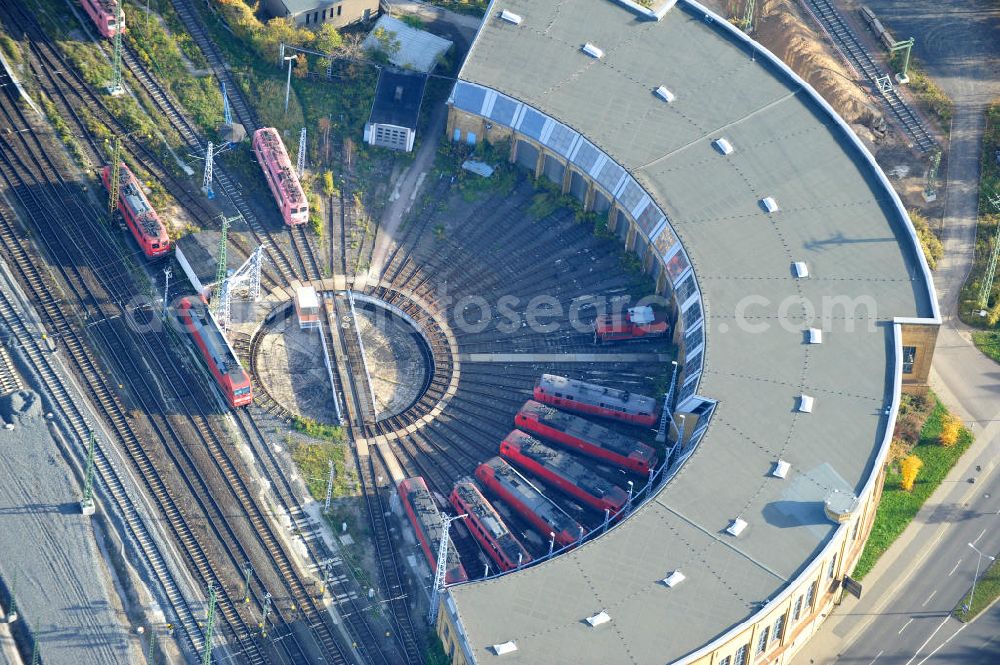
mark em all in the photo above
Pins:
pixel 837 213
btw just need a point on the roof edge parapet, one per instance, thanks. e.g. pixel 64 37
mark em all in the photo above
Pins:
pixel 656 10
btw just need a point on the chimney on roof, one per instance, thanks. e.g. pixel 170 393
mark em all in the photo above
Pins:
pixel 399 93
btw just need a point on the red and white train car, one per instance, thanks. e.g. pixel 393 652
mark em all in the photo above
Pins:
pixel 503 480
pixel 633 323
pixel 280 176
pixel 560 470
pixel 140 217
pixel 426 520
pixel 587 437
pixel 218 355
pixel 104 14
pixel 487 527
pixel 582 397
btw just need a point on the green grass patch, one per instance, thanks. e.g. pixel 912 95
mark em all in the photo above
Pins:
pixel 987 591
pixel 313 461
pixel 898 507
pixel 161 51
pixel 988 343
pixel 11 49
pixel 309 427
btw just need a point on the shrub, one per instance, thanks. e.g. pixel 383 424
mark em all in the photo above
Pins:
pixel 329 189
pixel 910 467
pixel 950 429
pixel 929 242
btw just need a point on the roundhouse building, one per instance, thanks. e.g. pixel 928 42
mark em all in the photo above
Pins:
pixel 805 307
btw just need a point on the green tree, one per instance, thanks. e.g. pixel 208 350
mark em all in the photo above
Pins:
pixel 327 39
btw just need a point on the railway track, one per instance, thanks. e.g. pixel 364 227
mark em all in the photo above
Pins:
pixel 39 205
pixel 855 53
pixel 102 395
pixel 109 477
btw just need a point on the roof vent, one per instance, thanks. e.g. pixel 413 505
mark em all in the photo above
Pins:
pixel 737 526
pixel 815 336
pixel 664 94
pixel 506 647
pixel 673 579
pixel 800 269
pixel 805 404
pixel 781 469
pixel 593 51
pixel 511 17
pixel 769 204
pixel 598 619
pixel 723 145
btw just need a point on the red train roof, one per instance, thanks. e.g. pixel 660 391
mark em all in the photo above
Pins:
pixel 222 355
pixel 269 144
pixel 562 464
pixel 422 503
pixel 591 393
pixel 586 430
pixel 134 198
pixel 532 498
pixel 483 512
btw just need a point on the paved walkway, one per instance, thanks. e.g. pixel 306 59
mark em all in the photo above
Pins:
pixel 406 190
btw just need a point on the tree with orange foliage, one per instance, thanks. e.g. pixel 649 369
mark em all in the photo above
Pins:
pixel 910 467
pixel 950 429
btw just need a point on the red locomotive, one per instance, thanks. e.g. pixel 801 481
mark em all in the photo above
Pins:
pixel 582 397
pixel 217 353
pixel 140 217
pixel 634 323
pixel 562 472
pixel 426 521
pixel 506 482
pixel 280 176
pixel 587 437
pixel 104 14
pixel 487 527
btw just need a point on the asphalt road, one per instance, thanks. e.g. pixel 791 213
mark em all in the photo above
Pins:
pixel 904 614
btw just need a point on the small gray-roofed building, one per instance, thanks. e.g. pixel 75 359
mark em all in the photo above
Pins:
pixel 419 50
pixel 315 13
pixel 396 109
pixel 867 282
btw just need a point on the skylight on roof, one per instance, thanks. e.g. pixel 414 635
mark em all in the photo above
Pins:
pixel 723 145
pixel 506 647
pixel 598 619
pixel 781 469
pixel 593 51
pixel 673 579
pixel 800 269
pixel 737 526
pixel 511 17
pixel 815 336
pixel 769 204
pixel 664 94
pixel 806 403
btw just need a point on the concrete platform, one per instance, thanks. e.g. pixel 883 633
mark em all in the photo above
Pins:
pixel 63 587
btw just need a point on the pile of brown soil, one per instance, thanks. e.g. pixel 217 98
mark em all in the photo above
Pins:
pixel 781 28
